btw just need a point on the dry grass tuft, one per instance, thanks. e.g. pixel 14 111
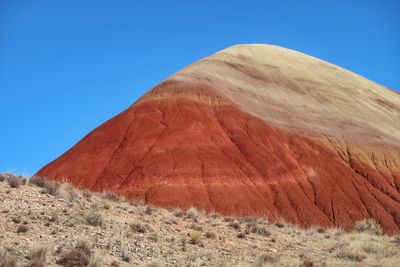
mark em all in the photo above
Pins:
pixel 195 237
pixel 255 229
pixel 351 255
pixel 37 256
pixel 22 228
pixel 14 182
pixel 138 228
pixel 370 226
pixel 77 256
pixel 94 218
pixel 50 187
pixel 194 213
pixel 7 258
pixel 106 205
pixel 234 225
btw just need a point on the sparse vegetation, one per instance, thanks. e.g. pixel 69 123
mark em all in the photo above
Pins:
pixel 269 258
pixel 179 213
pixel 368 226
pixel 22 228
pixel 106 205
pixel 53 216
pixel 72 193
pixel 7 258
pixel 49 187
pixel 351 255
pixel 194 213
pixel 149 210
pixel 94 218
pixel 77 256
pixel 255 229
pixel 195 237
pixel 38 256
pixel 14 181
pixel 209 235
pixel 138 228
pixel 129 233
pixel 241 235
pixel 234 225
pixel 126 256
pixel 111 196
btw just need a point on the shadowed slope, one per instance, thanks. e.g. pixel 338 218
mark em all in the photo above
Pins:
pixel 253 130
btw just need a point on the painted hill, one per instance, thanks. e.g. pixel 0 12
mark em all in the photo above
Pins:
pixel 252 130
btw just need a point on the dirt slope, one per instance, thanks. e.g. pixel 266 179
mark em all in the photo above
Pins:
pixel 41 227
pixel 253 130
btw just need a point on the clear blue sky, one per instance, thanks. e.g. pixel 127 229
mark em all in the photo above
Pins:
pixel 68 66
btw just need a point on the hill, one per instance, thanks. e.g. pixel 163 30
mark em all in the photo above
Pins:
pixel 253 130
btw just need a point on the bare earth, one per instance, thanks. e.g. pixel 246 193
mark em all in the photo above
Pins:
pixel 121 233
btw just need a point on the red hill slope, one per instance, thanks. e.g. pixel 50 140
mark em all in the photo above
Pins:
pixel 252 130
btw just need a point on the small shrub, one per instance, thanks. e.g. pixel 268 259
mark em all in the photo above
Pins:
pixel 154 237
pixel 255 229
pixel 78 256
pixel 396 240
pixel 194 213
pixel 16 219
pixel 94 218
pixel 351 255
pixel 308 263
pixel 138 228
pixel 335 231
pixel 370 226
pixel 229 219
pixel 53 216
pixel 241 235
pixel 195 237
pixel 50 187
pixel 38 256
pixel 267 259
pixel 178 213
pixel 14 181
pixel 126 256
pixel 234 225
pixel 96 260
pixel 210 235
pixel 22 228
pixel 3 177
pixel 136 202
pixel 196 227
pixel 7 259
pixel 155 264
pixel 111 196
pixel 215 215
pixel 87 194
pixel 72 193
pixel 106 205
pixel 247 219
pixel 149 210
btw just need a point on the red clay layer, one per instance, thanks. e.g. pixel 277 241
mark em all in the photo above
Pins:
pixel 184 151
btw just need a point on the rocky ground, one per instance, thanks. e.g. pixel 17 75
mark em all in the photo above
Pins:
pixel 49 224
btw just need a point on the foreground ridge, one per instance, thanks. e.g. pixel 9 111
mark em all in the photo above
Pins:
pixel 56 224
